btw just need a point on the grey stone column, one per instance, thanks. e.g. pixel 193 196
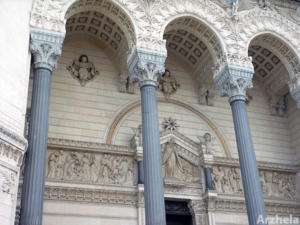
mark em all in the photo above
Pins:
pixel 208 179
pixel 46 49
pixel 145 66
pixel 233 81
pixel 295 89
pixel 141 172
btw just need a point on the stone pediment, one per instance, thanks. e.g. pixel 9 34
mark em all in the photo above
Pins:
pixel 185 147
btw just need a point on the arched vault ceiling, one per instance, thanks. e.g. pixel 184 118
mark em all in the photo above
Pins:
pixel 264 61
pixel 192 40
pixel 279 50
pixel 104 10
pixel 99 25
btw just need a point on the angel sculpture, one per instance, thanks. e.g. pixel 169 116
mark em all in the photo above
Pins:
pixel 83 70
pixel 206 142
pixel 168 84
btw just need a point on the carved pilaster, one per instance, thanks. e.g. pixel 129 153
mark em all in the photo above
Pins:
pixel 198 209
pixel 233 77
pixel 12 149
pixel 46 48
pixel 295 89
pixel 146 66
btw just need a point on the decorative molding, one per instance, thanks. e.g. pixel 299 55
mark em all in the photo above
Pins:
pixel 89 146
pixel 13 138
pixel 261 165
pixel 234 204
pixel 92 195
pixel 46 47
pixel 146 66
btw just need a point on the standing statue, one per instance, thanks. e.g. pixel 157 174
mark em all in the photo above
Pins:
pixel 206 143
pixel 168 84
pixel 170 161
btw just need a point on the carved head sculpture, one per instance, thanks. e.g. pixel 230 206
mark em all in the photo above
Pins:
pixel 167 73
pixel 207 137
pixel 83 59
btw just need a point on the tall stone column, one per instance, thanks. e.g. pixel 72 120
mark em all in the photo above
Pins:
pixel 295 89
pixel 145 66
pixel 233 81
pixel 208 160
pixel 12 149
pixel 46 48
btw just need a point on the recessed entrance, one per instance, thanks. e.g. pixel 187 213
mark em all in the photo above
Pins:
pixel 178 213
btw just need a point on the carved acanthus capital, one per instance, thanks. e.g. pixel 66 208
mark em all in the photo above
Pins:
pixel 146 66
pixel 46 48
pixel 233 76
pixel 295 89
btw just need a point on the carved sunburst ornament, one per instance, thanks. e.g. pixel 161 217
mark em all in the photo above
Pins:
pixel 170 124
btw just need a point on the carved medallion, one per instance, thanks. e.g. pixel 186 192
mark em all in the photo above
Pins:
pixel 83 70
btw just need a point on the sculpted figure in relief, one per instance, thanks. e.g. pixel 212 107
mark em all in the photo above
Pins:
pixel 170 161
pixel 177 168
pixel 206 142
pixel 274 184
pixel 168 84
pixel 89 167
pixel 206 95
pixel 83 70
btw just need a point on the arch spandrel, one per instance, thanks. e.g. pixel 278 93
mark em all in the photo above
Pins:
pixel 258 22
pixel 52 14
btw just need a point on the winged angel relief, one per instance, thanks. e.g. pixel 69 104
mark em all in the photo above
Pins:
pixel 83 70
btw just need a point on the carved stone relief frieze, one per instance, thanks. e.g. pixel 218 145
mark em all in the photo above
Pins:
pixel 92 168
pixel 275 184
pixel 83 70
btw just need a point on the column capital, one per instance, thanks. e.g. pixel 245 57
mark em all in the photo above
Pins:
pixel 233 76
pixel 145 66
pixel 46 47
pixel 294 85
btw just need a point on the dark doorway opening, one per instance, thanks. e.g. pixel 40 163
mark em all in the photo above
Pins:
pixel 178 213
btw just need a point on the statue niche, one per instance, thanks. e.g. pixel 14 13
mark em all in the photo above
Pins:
pixel 177 170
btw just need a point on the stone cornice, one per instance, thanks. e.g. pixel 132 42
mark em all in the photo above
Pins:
pixel 89 146
pixel 13 138
pixel 46 47
pixel 233 203
pixel 91 195
pixel 146 66
pixel 261 165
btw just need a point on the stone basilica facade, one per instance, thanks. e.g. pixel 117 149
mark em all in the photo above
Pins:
pixel 149 112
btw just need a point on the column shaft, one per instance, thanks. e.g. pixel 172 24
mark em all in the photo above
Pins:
pixel 251 182
pixel 35 164
pixel 140 172
pixel 208 179
pixel 154 189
